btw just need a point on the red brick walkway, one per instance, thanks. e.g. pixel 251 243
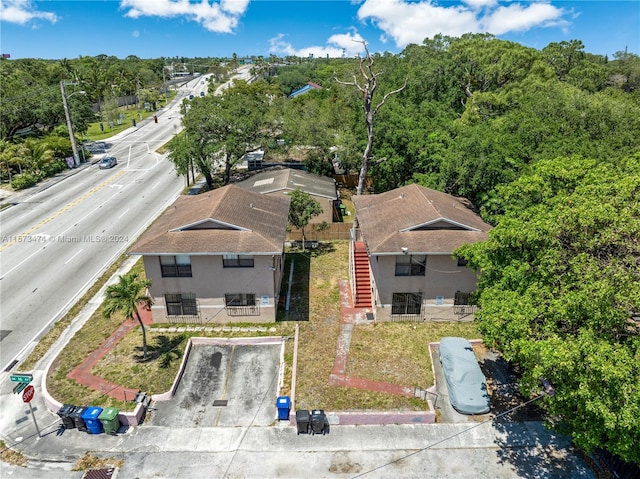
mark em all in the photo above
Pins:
pixel 82 373
pixel 338 376
pixel 349 313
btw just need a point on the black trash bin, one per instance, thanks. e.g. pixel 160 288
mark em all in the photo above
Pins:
pixel 302 421
pixel 319 422
pixel 76 415
pixel 65 414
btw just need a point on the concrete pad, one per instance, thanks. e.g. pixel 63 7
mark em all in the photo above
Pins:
pixel 227 384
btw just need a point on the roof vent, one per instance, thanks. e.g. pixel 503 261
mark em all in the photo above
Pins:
pixel 250 205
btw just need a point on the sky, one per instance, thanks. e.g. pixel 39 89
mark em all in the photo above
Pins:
pixel 53 29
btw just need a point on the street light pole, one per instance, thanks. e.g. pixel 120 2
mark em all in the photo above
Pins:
pixel 74 146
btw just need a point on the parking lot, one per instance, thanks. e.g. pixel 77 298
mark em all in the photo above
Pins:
pixel 226 384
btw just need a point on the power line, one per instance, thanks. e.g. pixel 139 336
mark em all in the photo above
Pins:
pixel 450 437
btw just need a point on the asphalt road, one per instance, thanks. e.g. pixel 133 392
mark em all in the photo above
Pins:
pixel 59 237
pixel 57 242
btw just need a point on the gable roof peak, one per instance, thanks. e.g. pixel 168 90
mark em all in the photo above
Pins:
pixel 416 216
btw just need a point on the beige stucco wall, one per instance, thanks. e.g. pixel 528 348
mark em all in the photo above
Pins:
pixel 443 277
pixel 210 281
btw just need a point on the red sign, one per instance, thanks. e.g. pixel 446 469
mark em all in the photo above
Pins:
pixel 27 394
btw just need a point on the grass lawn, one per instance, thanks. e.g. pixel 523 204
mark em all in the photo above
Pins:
pixel 390 352
pixel 129 114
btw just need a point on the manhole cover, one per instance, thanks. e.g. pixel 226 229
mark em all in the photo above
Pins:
pixel 99 473
pixel 219 402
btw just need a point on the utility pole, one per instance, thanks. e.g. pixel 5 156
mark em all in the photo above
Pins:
pixel 74 146
pixel 165 86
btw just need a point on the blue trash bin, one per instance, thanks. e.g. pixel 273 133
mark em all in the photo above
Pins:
pixel 90 416
pixel 283 404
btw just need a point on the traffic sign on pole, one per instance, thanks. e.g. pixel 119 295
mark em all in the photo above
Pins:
pixel 27 394
pixel 19 387
pixel 21 378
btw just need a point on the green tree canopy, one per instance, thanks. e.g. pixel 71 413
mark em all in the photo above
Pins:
pixel 301 209
pixel 221 129
pixel 559 291
pixel 124 297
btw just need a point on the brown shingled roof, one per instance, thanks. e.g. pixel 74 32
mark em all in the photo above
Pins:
pixel 418 218
pixel 289 179
pixel 226 220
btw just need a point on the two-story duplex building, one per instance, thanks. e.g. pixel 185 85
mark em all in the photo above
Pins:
pixel 401 263
pixel 216 257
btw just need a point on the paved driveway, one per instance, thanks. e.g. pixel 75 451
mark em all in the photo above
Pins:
pixel 447 413
pixel 503 391
pixel 224 385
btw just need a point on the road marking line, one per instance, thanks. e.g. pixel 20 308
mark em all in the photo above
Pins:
pixel 75 202
pixel 69 260
pixel 20 263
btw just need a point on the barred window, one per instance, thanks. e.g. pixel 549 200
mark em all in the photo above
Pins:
pixel 178 266
pixel 181 304
pixel 461 298
pixel 240 299
pixel 237 261
pixel 411 265
pixel 406 303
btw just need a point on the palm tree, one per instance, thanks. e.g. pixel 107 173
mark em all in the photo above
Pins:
pixel 124 297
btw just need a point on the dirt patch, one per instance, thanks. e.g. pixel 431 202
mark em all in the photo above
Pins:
pixel 502 383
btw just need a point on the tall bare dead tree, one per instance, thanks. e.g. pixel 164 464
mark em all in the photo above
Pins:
pixel 367 85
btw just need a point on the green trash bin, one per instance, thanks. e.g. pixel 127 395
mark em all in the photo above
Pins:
pixel 109 419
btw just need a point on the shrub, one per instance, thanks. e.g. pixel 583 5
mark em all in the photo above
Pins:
pixel 25 180
pixel 54 167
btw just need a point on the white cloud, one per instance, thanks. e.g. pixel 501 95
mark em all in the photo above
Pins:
pixel 219 17
pixel 237 7
pixel 411 22
pixel 479 4
pixel 338 45
pixel 22 12
pixel 351 43
pixel 135 34
pixel 515 17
